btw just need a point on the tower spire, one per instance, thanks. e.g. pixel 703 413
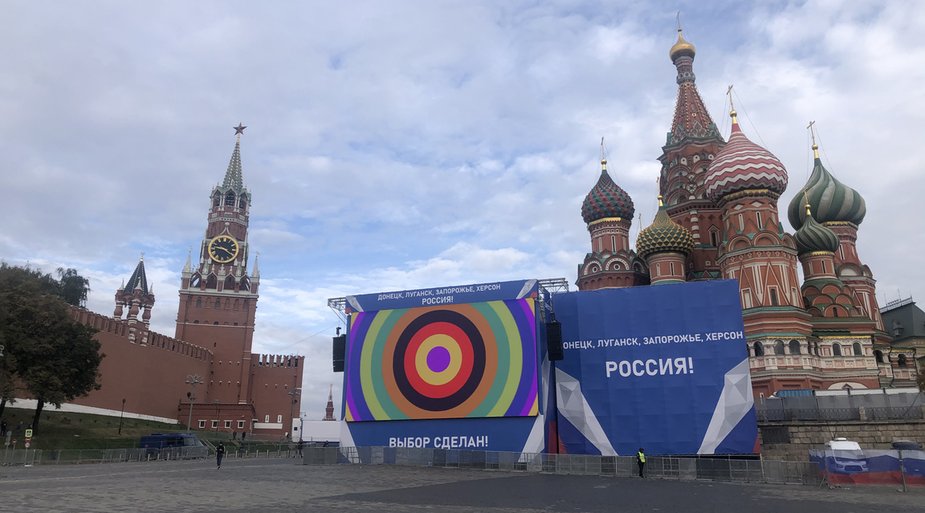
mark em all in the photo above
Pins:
pixel 732 108
pixel 603 157
pixel 812 133
pixel 234 177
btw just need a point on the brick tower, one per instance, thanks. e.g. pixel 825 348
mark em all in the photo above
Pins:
pixel 218 297
pixel 690 146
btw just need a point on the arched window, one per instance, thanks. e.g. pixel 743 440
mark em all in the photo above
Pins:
pixel 836 350
pixel 229 199
pixel 243 201
pixel 759 349
pixel 212 282
pixel 218 304
pixel 878 356
pixel 216 199
pixel 857 349
pixel 901 361
pixel 198 302
pixel 779 348
pixel 229 283
pixel 794 347
pixel 816 348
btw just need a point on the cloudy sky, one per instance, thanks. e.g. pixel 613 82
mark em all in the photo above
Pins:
pixel 396 145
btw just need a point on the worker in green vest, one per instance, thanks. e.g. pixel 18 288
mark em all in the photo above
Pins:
pixel 641 461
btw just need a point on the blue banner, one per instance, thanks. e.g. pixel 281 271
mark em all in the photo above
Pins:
pixel 501 434
pixel 662 367
pixel 474 293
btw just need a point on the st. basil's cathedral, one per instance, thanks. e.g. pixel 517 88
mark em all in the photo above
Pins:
pixel 718 218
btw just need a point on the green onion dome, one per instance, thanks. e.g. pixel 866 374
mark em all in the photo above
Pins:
pixel 812 236
pixel 606 199
pixel 830 199
pixel 664 235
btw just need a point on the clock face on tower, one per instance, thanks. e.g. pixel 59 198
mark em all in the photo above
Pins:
pixel 223 249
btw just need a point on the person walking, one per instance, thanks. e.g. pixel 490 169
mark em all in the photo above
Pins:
pixel 299 447
pixel 219 454
pixel 641 461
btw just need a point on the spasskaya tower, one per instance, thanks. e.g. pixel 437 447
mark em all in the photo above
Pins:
pixel 218 294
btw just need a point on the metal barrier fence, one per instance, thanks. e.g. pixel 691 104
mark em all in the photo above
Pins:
pixel 665 467
pixel 9 456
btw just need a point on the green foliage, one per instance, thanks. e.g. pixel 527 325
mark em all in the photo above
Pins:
pixel 74 287
pixel 48 353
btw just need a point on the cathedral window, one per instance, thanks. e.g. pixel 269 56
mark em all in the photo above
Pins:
pixel 746 298
pixel 857 349
pixel 613 243
pixel 901 361
pixel 759 349
pixel 836 350
pixel 714 237
pixel 741 223
pixel 212 282
pixel 229 199
pixel 878 356
pixel 198 302
pixel 758 218
pixel 229 283
pixel 216 199
pixel 671 268
pixel 794 347
pixel 243 201
pixel 779 348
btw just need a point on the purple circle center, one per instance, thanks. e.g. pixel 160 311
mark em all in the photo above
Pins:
pixel 438 359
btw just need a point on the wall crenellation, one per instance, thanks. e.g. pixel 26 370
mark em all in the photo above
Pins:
pixel 277 360
pixel 134 333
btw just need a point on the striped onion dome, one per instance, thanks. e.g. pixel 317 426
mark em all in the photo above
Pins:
pixel 606 199
pixel 812 236
pixel 830 199
pixel 741 165
pixel 664 235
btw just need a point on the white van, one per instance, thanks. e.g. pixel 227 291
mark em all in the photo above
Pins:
pixel 847 456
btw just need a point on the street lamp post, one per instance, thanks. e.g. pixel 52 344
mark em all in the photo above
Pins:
pixel 121 415
pixel 191 380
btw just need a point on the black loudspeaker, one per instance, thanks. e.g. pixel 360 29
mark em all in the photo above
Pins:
pixel 339 351
pixel 554 340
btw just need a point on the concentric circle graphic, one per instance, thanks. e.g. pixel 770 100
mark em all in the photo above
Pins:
pixel 448 361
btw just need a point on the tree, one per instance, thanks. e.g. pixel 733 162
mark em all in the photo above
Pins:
pixel 55 358
pixel 15 283
pixel 74 287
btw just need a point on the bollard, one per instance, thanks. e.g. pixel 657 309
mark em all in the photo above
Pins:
pixel 902 469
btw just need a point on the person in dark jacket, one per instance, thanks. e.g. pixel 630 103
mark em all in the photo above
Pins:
pixel 219 454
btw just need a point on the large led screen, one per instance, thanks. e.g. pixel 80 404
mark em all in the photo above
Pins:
pixel 450 360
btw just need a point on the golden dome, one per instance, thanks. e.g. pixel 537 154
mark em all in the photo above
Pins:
pixel 682 47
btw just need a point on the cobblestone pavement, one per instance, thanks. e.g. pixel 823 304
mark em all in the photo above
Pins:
pixel 283 485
